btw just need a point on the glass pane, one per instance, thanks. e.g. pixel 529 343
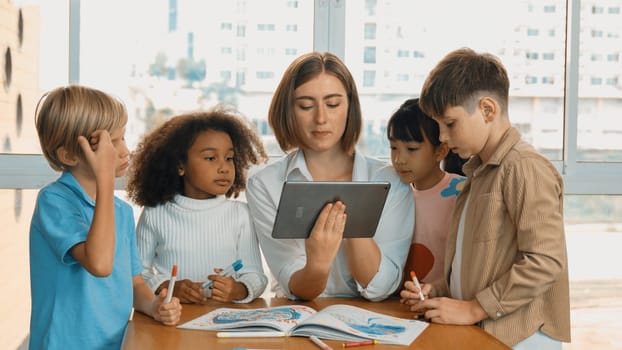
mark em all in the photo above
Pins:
pixel 34 54
pixel 599 129
pixel 593 236
pixel 410 37
pixel 191 54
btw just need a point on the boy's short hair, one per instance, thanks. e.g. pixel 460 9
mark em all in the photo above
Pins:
pixel 461 78
pixel 301 70
pixel 67 112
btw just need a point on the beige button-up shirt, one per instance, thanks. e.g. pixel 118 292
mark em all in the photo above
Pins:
pixel 514 249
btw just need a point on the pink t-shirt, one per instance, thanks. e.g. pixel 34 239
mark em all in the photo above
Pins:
pixel 433 210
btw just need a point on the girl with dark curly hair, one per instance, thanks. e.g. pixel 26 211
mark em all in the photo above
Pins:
pixel 184 173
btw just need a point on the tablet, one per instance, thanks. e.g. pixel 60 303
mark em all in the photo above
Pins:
pixel 302 201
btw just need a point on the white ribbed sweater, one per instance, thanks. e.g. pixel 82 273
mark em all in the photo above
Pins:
pixel 198 236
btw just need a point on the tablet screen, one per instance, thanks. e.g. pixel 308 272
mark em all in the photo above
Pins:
pixel 302 201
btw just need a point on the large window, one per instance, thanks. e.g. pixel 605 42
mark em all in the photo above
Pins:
pixel 599 129
pixel 430 31
pixel 171 56
pixel 153 72
pixel 564 101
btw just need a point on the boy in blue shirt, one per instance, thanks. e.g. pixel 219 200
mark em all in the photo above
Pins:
pixel 85 271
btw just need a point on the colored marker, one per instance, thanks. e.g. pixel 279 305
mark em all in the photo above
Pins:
pixel 319 343
pixel 416 282
pixel 266 334
pixel 226 272
pixel 359 343
pixel 171 285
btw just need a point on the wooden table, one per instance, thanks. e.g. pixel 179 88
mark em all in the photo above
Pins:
pixel 145 333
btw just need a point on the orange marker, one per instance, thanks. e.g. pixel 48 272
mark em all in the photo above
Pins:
pixel 171 285
pixel 359 343
pixel 416 282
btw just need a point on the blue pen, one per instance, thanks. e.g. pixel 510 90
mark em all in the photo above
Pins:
pixel 227 271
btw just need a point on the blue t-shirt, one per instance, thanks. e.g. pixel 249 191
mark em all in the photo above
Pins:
pixel 72 309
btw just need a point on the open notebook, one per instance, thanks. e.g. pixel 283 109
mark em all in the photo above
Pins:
pixel 336 322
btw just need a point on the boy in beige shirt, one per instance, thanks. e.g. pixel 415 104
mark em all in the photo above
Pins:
pixel 506 267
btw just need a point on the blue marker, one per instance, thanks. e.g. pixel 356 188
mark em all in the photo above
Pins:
pixel 226 272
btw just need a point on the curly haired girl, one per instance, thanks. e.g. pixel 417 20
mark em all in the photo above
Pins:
pixel 184 173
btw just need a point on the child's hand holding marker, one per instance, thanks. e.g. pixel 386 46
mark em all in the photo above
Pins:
pixel 167 309
pixel 171 285
pixel 226 272
pixel 416 282
pixel 222 287
pixel 414 293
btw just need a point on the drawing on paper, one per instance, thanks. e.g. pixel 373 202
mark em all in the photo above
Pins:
pixel 371 326
pixel 285 314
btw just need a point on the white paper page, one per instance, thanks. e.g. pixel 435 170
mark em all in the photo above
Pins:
pixel 281 318
pixel 354 323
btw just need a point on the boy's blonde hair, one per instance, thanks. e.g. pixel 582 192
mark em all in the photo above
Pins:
pixel 67 112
